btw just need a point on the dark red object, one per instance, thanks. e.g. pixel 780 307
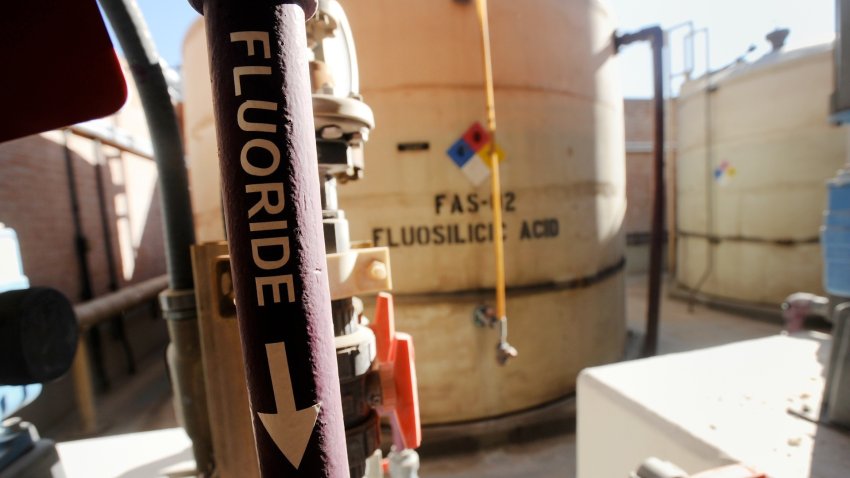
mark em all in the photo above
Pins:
pixel 59 67
pixel 270 188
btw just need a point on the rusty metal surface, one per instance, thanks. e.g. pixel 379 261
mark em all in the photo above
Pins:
pixel 281 285
pixel 109 305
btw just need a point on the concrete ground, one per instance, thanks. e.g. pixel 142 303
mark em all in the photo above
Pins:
pixel 547 457
pixel 681 329
pixel 145 402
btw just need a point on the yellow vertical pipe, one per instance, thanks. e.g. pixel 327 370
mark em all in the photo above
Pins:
pixel 83 388
pixel 495 181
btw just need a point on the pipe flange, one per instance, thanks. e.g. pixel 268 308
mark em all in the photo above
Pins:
pixel 178 304
pixel 350 115
pixel 355 353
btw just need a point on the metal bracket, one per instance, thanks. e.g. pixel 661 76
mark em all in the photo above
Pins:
pixel 359 271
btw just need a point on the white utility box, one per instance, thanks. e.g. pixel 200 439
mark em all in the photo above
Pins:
pixel 741 403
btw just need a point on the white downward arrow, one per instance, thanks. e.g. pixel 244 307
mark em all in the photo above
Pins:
pixel 289 428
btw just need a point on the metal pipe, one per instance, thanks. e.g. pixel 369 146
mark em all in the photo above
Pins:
pixel 186 368
pixel 143 60
pixel 97 310
pixel 504 350
pixel 655 35
pixel 92 313
pixel 269 173
pixel 838 378
pixel 84 388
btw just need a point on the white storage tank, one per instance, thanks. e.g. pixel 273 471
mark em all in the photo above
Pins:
pixel 560 114
pixel 751 176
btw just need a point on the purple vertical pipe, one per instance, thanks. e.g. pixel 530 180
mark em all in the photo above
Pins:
pixel 270 190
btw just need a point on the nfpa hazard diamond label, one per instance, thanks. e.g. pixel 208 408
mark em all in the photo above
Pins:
pixel 471 153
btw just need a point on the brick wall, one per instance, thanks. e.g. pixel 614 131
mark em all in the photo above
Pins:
pixel 639 131
pixel 35 201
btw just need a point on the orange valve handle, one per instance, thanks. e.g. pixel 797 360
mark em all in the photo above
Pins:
pixel 397 371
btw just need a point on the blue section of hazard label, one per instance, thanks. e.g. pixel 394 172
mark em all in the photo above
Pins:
pixel 460 152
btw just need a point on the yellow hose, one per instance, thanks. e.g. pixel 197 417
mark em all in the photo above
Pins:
pixel 495 184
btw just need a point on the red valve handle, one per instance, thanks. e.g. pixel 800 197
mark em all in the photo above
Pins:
pixel 397 369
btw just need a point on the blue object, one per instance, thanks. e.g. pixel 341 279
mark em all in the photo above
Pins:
pixel 460 152
pixel 835 237
pixel 15 397
pixel 13 445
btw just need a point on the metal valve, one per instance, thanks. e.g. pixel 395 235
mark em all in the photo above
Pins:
pixel 485 316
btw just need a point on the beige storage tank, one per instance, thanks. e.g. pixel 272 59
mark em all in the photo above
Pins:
pixel 561 128
pixel 200 137
pixel 751 177
pixel 560 114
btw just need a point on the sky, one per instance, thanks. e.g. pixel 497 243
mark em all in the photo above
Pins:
pixel 734 25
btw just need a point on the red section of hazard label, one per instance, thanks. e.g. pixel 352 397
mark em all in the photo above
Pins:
pixel 476 136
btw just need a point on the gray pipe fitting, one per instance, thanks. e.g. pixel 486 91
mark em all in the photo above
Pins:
pixel 309 6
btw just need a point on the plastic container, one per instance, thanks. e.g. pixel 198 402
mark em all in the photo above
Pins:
pixel 11 266
pixel 835 237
